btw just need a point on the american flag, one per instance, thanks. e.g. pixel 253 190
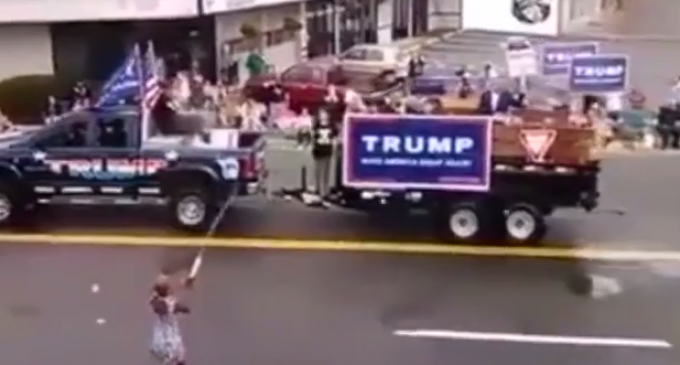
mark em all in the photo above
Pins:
pixel 152 80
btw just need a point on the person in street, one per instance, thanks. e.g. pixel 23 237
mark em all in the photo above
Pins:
pixel 324 134
pixel 167 345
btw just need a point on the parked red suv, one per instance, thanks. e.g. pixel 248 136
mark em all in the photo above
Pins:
pixel 304 85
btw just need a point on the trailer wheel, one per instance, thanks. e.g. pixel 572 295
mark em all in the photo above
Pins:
pixel 464 222
pixel 524 223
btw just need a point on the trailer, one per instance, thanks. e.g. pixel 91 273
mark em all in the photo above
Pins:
pixel 478 178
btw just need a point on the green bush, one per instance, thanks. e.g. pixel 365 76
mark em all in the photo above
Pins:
pixel 23 98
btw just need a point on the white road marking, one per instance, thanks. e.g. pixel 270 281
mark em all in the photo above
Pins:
pixel 535 339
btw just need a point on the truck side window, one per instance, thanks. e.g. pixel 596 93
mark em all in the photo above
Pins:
pixel 73 135
pixel 111 133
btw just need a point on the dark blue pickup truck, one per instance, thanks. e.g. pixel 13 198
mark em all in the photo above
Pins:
pixel 99 157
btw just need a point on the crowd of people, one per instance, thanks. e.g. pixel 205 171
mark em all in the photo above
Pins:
pixel 617 117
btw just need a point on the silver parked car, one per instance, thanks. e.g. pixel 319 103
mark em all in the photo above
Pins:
pixel 380 61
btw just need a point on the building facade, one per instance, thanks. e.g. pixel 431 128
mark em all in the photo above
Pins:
pixel 82 39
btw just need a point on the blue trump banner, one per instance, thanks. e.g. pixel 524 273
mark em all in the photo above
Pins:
pixel 599 74
pixel 417 152
pixel 556 57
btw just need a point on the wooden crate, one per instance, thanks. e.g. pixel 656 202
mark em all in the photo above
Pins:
pixel 573 144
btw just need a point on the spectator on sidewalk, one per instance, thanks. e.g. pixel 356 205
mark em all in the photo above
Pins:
pixel 6 124
pixel 252 115
pixel 53 109
pixel 256 64
pixel 81 95
pixel 668 126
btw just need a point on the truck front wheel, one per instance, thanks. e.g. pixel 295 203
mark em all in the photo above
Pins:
pixel 12 207
pixel 524 224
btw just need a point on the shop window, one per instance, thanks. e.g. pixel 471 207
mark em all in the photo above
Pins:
pixel 239 45
pixel 278 36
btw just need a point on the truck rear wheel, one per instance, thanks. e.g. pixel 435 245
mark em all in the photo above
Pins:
pixel 524 224
pixel 191 210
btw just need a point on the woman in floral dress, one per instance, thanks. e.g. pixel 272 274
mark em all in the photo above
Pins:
pixel 167 345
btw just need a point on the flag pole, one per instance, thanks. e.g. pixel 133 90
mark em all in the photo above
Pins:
pixel 144 130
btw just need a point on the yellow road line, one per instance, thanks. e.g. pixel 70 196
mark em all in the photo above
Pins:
pixel 347 246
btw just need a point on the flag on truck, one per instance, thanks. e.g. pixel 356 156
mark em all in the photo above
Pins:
pixel 152 80
pixel 125 83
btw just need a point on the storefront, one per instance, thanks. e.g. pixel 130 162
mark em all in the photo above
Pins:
pixel 273 24
pixel 55 36
pixel 335 25
pixel 409 18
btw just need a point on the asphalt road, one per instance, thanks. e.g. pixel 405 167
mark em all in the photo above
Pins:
pixel 259 306
pixel 264 307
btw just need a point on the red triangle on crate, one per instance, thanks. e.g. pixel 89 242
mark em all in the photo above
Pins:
pixel 537 142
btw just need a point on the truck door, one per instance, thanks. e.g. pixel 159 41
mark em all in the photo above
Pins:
pixel 113 147
pixel 58 156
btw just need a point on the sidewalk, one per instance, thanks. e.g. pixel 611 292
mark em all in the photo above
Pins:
pixel 416 43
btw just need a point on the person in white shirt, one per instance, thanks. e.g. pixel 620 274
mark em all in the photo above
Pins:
pixel 354 101
pixel 252 115
pixel 614 102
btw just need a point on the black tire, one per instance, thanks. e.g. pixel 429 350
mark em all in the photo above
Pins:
pixel 524 224
pixel 191 210
pixel 388 78
pixel 463 222
pixel 12 207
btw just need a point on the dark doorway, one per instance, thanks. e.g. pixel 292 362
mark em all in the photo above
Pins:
pixel 349 22
pixel 420 16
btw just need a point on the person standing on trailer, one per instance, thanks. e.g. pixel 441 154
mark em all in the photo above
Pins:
pixel 167 345
pixel 323 140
